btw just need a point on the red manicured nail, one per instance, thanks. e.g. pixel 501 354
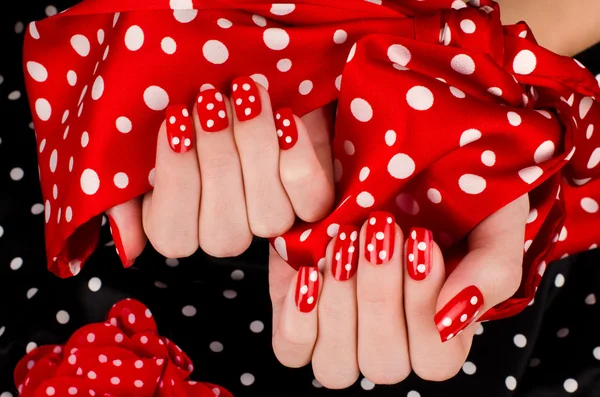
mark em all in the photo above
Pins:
pixel 307 288
pixel 345 253
pixel 380 237
pixel 212 111
pixel 114 229
pixel 419 249
pixel 287 132
pixel 179 128
pixel 246 98
pixel 459 312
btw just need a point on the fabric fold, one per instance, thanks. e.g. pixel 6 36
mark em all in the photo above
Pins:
pixel 444 115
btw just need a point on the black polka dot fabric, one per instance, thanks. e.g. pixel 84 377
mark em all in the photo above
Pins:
pixel 219 311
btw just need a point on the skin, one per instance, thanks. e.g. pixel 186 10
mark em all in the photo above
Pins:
pixel 380 321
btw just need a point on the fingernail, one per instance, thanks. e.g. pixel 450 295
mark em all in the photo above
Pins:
pixel 179 128
pixel 459 312
pixel 380 236
pixel 114 230
pixel 307 289
pixel 287 132
pixel 345 253
pixel 212 111
pixel 419 248
pixel 246 98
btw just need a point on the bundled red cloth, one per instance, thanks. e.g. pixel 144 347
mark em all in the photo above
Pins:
pixel 444 115
pixel 122 357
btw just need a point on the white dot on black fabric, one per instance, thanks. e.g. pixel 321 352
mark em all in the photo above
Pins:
pixel 534 362
pixel 94 284
pixel 559 281
pixel 172 262
pixel 247 379
pixel 16 263
pixel 51 10
pixel 37 209
pixel 189 311
pixel 30 346
pixel 562 333
pixel 366 384
pixel 6 394
pixel 413 393
pixel 317 384
pixel 570 385
pixel 237 275
pixel 590 299
pixel 160 284
pixel 596 353
pixel 229 294
pixel 62 317
pixel 469 368
pixel 257 326
pixel 216 347
pixel 510 382
pixel 16 174
pixel 520 340
pixel 31 292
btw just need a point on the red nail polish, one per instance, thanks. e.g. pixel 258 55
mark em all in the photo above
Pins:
pixel 114 229
pixel 459 312
pixel 179 128
pixel 246 98
pixel 307 289
pixel 380 237
pixel 212 111
pixel 419 253
pixel 345 253
pixel 287 132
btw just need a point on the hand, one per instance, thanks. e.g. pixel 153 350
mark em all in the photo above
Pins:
pixel 402 313
pixel 251 173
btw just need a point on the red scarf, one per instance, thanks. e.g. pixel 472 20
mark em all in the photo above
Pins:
pixel 444 115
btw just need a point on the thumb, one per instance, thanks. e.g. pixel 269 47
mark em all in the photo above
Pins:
pixel 489 274
pixel 127 230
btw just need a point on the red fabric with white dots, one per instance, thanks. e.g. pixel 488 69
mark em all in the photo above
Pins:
pixel 122 357
pixel 444 115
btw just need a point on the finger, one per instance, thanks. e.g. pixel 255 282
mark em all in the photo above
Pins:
pixel 382 341
pixel 270 212
pixel 223 223
pixel 126 227
pixel 334 361
pixel 424 276
pixel 489 274
pixel 304 179
pixel 171 215
pixel 296 332
pixel 319 124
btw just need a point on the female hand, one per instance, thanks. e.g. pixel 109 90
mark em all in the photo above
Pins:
pixel 384 304
pixel 227 169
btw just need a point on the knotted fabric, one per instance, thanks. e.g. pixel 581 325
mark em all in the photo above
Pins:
pixel 444 115
pixel 122 357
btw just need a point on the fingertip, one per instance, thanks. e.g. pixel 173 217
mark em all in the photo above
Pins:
pixel 126 227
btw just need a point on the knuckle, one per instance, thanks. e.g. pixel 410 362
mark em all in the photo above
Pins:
pixel 382 373
pixel 435 370
pixel 216 167
pixel 507 279
pixel 225 245
pixel 295 339
pixel 271 224
pixel 335 376
pixel 174 248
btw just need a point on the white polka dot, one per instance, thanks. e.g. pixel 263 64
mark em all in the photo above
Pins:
pixel 584 106
pixel 340 36
pixel 511 383
pixel 37 71
pixel 134 38
pixel 570 385
pixel 30 347
pixel 562 333
pixel 495 91
pixel 123 124
pixel 390 137
pixel 401 166
pixel 257 326
pixel 305 235
pixel 81 45
pixel 115 381
pixel 276 38
pixel 16 174
pixel 98 88
pixel 525 62
pixel 467 26
pixel 463 64
pixel 544 152
pixel 280 247
pixel 13 96
pixel 50 391
pixel 305 87
pixel 337 170
pixel 189 311
pixel 43 109
pixel 215 52
pixel 168 45
pixel 37 209
pixel 470 135
pixel 247 379
pixel 91 337
pixel 216 347
pixel 224 23
pixel 365 199
pixel 364 173
pixel 469 368
pixel 259 20
pixel 559 281
pixel 33 31
pixel 594 159
pixel 520 340
pixel 361 110
pixel 282 9
pixel 513 118
pixel 349 148
pixel 531 174
pixel 121 180
pixel 434 196
pixel 407 204
pixel 94 284
pixel 399 54
pixel 456 92
pixel 472 184
pixel 332 229
pixel 351 53
pixel 185 15
pixel 71 78
pixel 419 98
pixel 596 353
pixel 488 158
pixel 53 160
pixel 414 393
pixel 89 181
pixel 284 65
pixel 156 98
pixel 47 211
pixel 589 205
pixel 85 139
pixel 172 262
